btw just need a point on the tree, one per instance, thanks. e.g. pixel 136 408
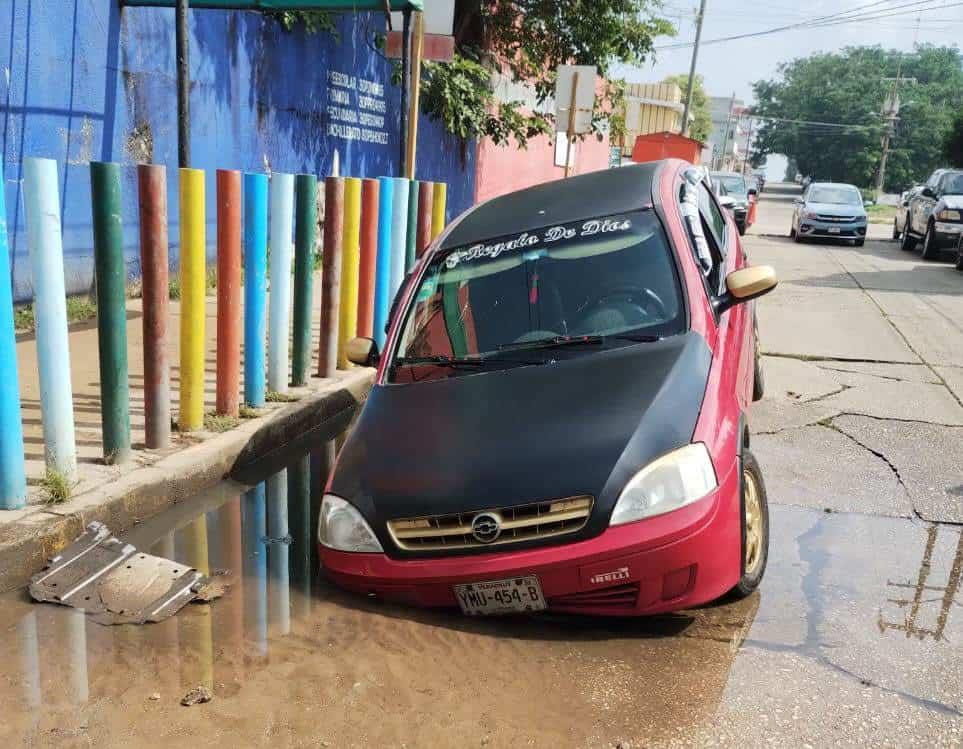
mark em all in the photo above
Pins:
pixel 953 144
pixel 523 42
pixel 847 87
pixel 701 118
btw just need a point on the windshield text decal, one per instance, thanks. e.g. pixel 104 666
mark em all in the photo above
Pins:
pixel 546 236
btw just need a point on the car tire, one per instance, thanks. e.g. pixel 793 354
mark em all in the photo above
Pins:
pixel 797 238
pixel 755 527
pixel 959 258
pixel 930 250
pixel 896 231
pixel 741 228
pixel 792 232
pixel 909 241
pixel 859 242
pixel 758 377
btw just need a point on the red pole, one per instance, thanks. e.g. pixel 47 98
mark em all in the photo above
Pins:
pixel 152 196
pixel 228 291
pixel 369 255
pixel 426 191
pixel 331 276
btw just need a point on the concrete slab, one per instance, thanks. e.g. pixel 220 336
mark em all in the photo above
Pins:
pixel 820 468
pixel 796 379
pixel 887 399
pixel 953 377
pixel 895 372
pixel 926 457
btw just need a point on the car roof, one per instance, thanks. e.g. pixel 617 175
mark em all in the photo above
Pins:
pixel 602 193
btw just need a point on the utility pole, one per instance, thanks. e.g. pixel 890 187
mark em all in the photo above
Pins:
pixel 725 139
pixel 692 68
pixel 745 160
pixel 891 115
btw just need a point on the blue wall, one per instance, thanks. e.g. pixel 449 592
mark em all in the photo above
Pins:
pixel 84 80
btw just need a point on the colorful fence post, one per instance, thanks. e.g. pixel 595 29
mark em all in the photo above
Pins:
pixel 439 204
pixel 255 286
pixel 367 268
pixel 111 310
pixel 382 295
pixel 426 201
pixel 42 209
pixel 305 220
pixel 331 276
pixel 279 551
pixel 348 319
pixel 152 199
pixel 411 231
pixel 228 292
pixel 399 238
pixel 193 279
pixel 13 482
pixel 281 210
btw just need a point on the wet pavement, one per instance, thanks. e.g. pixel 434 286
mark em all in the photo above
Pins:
pixel 854 638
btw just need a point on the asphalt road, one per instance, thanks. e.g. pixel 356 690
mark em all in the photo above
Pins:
pixel 854 638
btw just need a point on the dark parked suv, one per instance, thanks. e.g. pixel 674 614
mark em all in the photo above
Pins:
pixel 935 214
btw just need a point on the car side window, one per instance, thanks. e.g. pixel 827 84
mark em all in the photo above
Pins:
pixel 712 215
pixel 705 247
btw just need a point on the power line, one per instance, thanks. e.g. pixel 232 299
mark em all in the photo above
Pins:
pixel 826 21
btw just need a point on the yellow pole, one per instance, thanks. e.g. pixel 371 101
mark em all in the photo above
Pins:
pixel 350 262
pixel 192 281
pixel 439 199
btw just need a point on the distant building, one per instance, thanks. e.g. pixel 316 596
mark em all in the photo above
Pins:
pixel 651 108
pixel 730 138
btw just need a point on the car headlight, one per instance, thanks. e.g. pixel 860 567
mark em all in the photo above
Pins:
pixel 809 214
pixel 948 215
pixel 667 483
pixel 341 527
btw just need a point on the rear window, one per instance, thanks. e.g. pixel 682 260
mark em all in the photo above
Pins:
pixel 605 276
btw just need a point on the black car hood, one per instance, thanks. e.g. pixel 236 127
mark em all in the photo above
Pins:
pixel 582 425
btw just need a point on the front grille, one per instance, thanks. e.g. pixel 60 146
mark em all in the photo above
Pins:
pixel 617 598
pixel 556 517
pixel 835 219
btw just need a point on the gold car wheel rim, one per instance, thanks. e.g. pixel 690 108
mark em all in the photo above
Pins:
pixel 753 552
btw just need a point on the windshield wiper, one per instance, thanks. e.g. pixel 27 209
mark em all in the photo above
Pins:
pixel 443 360
pixel 556 341
pixel 636 337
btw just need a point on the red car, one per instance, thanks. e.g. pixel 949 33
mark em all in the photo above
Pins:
pixel 559 416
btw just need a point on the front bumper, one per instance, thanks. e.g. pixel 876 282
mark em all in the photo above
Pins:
pixel 669 562
pixel 947 233
pixel 809 227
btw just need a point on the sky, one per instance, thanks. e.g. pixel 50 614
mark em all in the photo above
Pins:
pixel 732 66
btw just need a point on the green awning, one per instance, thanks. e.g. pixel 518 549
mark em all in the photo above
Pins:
pixel 336 5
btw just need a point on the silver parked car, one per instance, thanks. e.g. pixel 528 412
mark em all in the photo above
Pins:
pixel 902 209
pixel 935 214
pixel 737 188
pixel 829 209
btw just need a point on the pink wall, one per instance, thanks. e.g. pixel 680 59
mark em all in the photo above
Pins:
pixel 501 169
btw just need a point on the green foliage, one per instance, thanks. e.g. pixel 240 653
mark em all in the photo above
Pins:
pixel 953 143
pixel 79 309
pixel 313 21
pixel 56 487
pixel 701 118
pixel 524 41
pixel 848 87
pixel 23 318
pixel 273 396
pixel 215 422
pixel 460 94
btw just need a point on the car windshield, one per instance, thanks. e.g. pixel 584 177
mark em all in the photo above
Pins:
pixel 835 196
pixel 953 184
pixel 734 184
pixel 611 277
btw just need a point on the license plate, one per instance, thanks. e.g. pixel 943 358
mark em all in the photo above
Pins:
pixel 491 597
pixel 834 230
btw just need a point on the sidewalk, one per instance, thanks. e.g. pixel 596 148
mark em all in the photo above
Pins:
pixel 153 479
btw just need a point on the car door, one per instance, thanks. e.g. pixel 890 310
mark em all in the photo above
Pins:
pixel 924 203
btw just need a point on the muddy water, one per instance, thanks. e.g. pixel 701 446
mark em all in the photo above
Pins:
pixel 855 638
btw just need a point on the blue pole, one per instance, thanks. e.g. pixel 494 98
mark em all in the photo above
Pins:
pixel 279 553
pixel 13 482
pixel 382 297
pixel 255 286
pixel 254 527
pixel 42 208
pixel 281 222
pixel 399 237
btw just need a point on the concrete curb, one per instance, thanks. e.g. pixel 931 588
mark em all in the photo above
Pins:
pixel 28 541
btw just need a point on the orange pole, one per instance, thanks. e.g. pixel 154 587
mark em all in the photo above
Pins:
pixel 369 254
pixel 426 199
pixel 228 291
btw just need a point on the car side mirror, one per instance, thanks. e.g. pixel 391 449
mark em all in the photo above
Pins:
pixel 362 351
pixel 726 202
pixel 798 201
pixel 928 192
pixel 746 284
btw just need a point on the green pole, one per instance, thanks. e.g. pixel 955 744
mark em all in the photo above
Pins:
pixel 111 310
pixel 305 221
pixel 412 238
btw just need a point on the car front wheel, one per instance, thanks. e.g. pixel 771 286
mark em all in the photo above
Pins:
pixel 755 527
pixel 909 241
pixel 895 229
pixel 959 258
